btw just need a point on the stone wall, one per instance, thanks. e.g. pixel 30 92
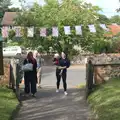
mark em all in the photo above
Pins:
pixel 4 79
pixel 106 68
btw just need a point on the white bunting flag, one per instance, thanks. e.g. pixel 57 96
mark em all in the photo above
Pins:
pixel 55 32
pixel 67 30
pixel 103 26
pixel 78 30
pixel 5 32
pixel 30 31
pixel 92 28
pixel 43 32
pixel 18 31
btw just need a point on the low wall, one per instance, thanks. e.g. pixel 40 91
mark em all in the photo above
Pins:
pixel 106 66
pixel 4 79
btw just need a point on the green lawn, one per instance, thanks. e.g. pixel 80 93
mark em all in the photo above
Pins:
pixel 8 103
pixel 105 101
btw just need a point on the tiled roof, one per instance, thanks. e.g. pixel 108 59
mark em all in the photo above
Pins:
pixel 114 30
pixel 8 18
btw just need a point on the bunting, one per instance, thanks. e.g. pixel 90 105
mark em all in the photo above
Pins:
pixel 43 32
pixel 5 32
pixel 92 28
pixel 78 30
pixel 55 32
pixel 30 31
pixel 67 30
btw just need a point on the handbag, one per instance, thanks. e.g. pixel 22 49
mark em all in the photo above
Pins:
pixel 27 67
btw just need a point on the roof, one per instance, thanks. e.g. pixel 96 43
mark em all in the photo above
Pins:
pixel 8 18
pixel 115 29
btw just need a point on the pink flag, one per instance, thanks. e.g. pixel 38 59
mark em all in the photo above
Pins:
pixel 5 32
pixel 43 32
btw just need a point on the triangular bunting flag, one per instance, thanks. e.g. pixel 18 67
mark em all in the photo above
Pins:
pixel 103 26
pixel 78 30
pixel 30 31
pixel 55 32
pixel 67 30
pixel 43 32
pixel 92 28
pixel 5 32
pixel 18 31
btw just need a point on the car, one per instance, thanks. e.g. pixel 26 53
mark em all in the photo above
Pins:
pixel 12 51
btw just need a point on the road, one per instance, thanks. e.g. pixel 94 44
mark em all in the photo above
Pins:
pixel 49 105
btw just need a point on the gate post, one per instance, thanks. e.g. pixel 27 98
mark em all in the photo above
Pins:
pixel 89 78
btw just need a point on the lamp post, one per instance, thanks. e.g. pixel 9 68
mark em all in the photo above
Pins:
pixel 1 57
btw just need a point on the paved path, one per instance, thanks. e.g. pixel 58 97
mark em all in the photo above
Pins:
pixel 50 105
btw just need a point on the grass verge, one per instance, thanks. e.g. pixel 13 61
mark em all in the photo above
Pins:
pixel 105 101
pixel 8 103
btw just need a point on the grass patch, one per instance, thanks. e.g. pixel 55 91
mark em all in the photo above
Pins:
pixel 105 101
pixel 8 103
pixel 81 86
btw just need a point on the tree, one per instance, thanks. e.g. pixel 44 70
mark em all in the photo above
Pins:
pixel 115 19
pixel 69 12
pixel 104 19
pixel 4 4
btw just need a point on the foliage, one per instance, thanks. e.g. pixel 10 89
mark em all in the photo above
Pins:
pixel 11 34
pixel 104 19
pixel 105 101
pixel 69 12
pixel 115 19
pixel 8 103
pixel 4 4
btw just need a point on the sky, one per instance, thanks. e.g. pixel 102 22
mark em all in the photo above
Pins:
pixel 108 6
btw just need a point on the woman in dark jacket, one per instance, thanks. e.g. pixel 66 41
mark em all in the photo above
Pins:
pixel 30 77
pixel 64 63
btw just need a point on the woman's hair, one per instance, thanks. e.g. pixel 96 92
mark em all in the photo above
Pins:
pixel 29 55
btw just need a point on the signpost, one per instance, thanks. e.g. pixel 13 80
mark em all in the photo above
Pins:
pixel 1 57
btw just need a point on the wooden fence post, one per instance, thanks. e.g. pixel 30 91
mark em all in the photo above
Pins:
pixel 89 77
pixel 1 59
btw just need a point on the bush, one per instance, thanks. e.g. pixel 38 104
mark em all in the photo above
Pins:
pixel 105 101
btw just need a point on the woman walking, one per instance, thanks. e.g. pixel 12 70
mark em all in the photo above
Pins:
pixel 39 68
pixel 56 62
pixel 64 63
pixel 30 77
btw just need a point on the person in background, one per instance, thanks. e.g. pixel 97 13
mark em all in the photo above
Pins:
pixel 39 68
pixel 58 76
pixel 30 77
pixel 64 63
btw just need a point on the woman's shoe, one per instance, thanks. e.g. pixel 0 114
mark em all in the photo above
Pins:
pixel 34 95
pixel 65 93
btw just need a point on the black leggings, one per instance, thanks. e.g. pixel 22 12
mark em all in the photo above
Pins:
pixel 30 86
pixel 64 76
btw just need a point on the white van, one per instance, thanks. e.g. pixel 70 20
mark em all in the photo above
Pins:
pixel 12 51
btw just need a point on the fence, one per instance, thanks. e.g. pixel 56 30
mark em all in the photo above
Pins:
pixel 97 74
pixel 12 75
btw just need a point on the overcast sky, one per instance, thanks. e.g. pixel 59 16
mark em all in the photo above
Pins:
pixel 109 6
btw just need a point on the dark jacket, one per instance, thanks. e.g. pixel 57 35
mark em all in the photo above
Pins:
pixel 64 63
pixel 31 75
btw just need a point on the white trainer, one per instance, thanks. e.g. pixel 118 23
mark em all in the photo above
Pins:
pixel 57 91
pixel 65 93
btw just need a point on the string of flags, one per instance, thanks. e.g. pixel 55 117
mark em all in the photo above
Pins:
pixel 43 31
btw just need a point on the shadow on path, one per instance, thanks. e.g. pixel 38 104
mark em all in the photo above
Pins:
pixel 49 105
